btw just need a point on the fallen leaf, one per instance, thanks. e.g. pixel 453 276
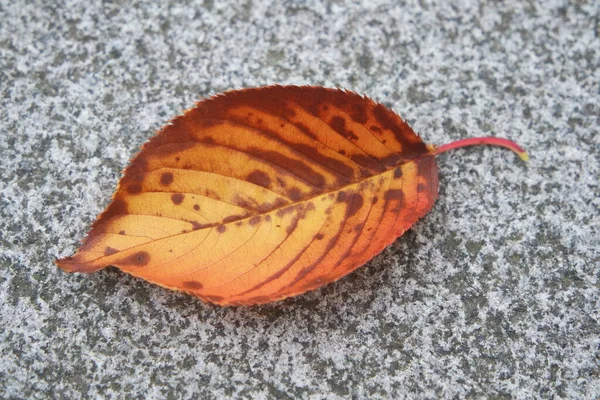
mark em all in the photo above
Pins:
pixel 261 194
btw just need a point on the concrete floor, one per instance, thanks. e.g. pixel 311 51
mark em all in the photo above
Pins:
pixel 494 293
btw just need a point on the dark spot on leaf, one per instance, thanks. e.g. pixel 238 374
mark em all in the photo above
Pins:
pixel 319 236
pixel 359 113
pixel 394 194
pixel 367 162
pixel 354 205
pixel 121 232
pixel 138 259
pixel 134 188
pixel 412 145
pixel 209 141
pixel 109 250
pixel 267 218
pixel 214 299
pixel 294 194
pixel 196 207
pixel 341 196
pixel 241 202
pixel 255 220
pixel 374 200
pixel 232 218
pixel 306 130
pixel 221 228
pixel 193 285
pixel 259 178
pixel 339 125
pixel 166 178
pixel 117 207
pixel 288 210
pixel 196 225
pixel 297 167
pixel 375 128
pixel 392 160
pixel 212 194
pixel 177 198
pixel 398 173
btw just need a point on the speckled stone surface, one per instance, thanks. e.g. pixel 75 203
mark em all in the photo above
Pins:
pixel 494 293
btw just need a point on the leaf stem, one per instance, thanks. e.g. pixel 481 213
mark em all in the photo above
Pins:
pixel 493 141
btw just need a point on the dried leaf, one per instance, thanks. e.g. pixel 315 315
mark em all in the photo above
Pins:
pixel 262 194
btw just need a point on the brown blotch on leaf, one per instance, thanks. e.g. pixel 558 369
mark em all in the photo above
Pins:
pixel 196 207
pixel 368 162
pixel 398 173
pixel 241 202
pixel 214 299
pixel 177 198
pixel 166 178
pixel 193 285
pixel 392 160
pixel 109 250
pixel 117 207
pixel 255 220
pixel 359 113
pixel 341 197
pixel 394 194
pixel 121 232
pixel 268 218
pixel 306 130
pixel 232 218
pixel 258 300
pixel 375 128
pixel 294 194
pixel 212 194
pixel 259 178
pixel 374 200
pixel 355 205
pixel 134 188
pixel 207 140
pixel 196 225
pixel 221 228
pixel 137 169
pixel 412 146
pixel 339 125
pixel 288 210
pixel 343 170
pixel 359 227
pixel 319 236
pixel 296 167
pixel 138 259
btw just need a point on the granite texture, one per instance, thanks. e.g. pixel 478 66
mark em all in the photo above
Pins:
pixel 494 293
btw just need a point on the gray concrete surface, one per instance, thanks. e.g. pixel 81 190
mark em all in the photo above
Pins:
pixel 495 293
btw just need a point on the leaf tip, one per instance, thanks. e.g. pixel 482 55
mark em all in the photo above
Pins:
pixel 71 264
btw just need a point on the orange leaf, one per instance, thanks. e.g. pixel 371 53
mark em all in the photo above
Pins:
pixel 262 194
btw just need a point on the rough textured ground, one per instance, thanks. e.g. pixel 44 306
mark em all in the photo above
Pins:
pixel 494 293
